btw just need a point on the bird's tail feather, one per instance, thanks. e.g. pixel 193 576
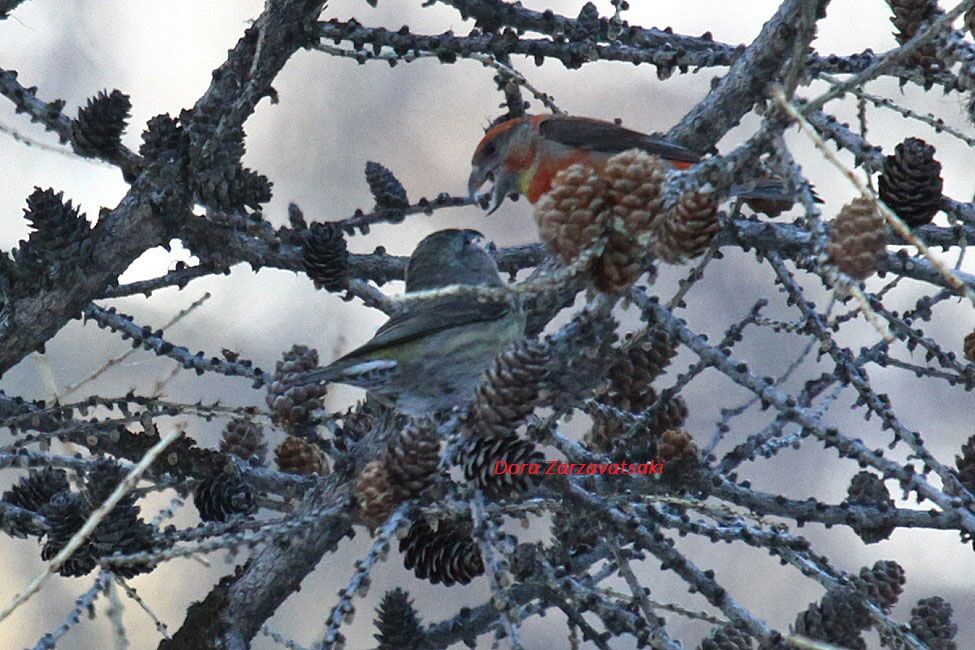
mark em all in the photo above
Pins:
pixel 343 371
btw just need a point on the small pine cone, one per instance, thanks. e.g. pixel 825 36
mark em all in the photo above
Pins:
pixel 909 15
pixel 858 238
pixel 122 531
pixel 481 455
pixel 251 189
pixel 882 583
pixel 412 459
pixel 608 428
pixel 448 555
pixel 34 491
pixel 969 347
pixel 508 390
pixel 635 180
pixel 223 495
pixel 292 406
pixel 727 637
pixel 388 192
pixel 931 623
pixel 298 456
pixel 686 231
pixel 836 619
pixel 244 438
pixel 97 131
pixel 66 512
pixel 58 225
pixel 374 496
pixel 966 464
pixel 398 623
pixel 910 183
pixel 574 213
pixel 868 489
pixel 640 363
pixel 675 444
pixel 620 263
pixel 162 138
pixel 325 255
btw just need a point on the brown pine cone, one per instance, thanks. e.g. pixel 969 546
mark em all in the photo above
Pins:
pixel 642 360
pixel 882 583
pixel 931 623
pixel 244 438
pixel 480 456
pixel 675 444
pixel 686 231
pixel 291 405
pixel 910 183
pixel 325 256
pixel 970 347
pixel 412 459
pixel 909 15
pixel 508 390
pixel 398 623
pixel 298 456
pixel 966 464
pixel 868 489
pixel 374 495
pixel 620 263
pixel 608 428
pixel 448 555
pixel 635 181
pixel 858 238
pixel 572 214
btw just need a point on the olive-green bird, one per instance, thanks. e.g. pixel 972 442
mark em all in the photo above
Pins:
pixel 430 356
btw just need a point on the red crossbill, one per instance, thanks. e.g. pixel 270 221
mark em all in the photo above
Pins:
pixel 522 155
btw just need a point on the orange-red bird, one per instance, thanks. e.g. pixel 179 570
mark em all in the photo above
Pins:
pixel 523 154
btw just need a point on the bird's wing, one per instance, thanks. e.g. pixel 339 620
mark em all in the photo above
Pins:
pixel 411 325
pixel 598 135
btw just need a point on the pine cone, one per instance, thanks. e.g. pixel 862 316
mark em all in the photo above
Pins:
pixel 481 455
pixel 835 620
pixel 97 131
pixel 882 583
pixel 858 238
pixel 577 529
pixel 675 444
pixel 869 490
pixel 970 347
pixel 508 390
pixel 223 495
pixel 634 183
pixel 911 182
pixel 640 362
pixel 448 554
pixel 388 191
pixel 574 213
pixel 244 438
pixel 59 229
pixel 163 138
pixel 909 15
pixel 298 456
pixel 966 464
pixel 325 255
pixel 608 428
pixel 35 490
pixel 374 495
pixel 931 623
pixel 727 637
pixel 620 263
pixel 291 405
pixel 66 512
pixel 412 459
pixel 398 623
pixel 122 531
pixel 686 231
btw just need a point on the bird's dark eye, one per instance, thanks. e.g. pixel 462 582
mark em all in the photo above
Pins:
pixel 489 149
